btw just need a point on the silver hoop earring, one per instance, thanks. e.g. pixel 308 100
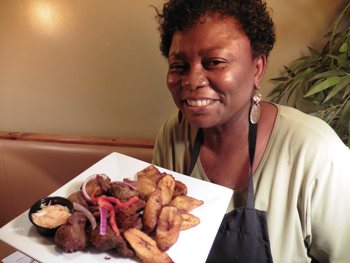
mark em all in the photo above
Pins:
pixel 255 110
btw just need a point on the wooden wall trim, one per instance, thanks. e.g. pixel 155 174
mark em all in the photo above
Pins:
pixel 74 139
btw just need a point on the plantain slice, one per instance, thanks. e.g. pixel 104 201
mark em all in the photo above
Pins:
pixel 186 203
pixel 168 227
pixel 189 221
pixel 167 186
pixel 145 179
pixel 151 211
pixel 180 189
pixel 145 247
pixel 152 173
pixel 145 187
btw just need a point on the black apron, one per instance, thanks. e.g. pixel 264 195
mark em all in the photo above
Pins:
pixel 243 235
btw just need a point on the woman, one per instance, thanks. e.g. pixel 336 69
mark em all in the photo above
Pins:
pixel 296 206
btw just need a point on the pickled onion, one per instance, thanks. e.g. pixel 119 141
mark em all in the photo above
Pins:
pixel 87 213
pixel 83 187
pixel 103 221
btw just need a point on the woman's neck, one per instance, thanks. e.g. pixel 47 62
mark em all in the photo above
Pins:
pixel 229 137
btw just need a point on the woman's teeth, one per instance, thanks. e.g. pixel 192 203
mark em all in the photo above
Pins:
pixel 197 103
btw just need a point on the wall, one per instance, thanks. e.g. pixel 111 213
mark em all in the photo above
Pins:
pixel 92 67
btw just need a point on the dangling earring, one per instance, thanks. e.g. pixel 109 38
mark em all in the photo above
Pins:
pixel 255 110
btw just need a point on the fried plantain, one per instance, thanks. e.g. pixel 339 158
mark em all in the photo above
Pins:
pixel 189 221
pixel 151 211
pixel 180 189
pixel 186 203
pixel 146 179
pixel 145 247
pixel 144 187
pixel 168 227
pixel 167 186
pixel 152 173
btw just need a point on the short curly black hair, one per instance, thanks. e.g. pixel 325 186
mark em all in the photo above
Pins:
pixel 252 15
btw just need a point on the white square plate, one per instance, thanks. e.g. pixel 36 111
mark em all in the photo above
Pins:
pixel 193 244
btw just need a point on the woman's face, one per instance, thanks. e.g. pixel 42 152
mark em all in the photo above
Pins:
pixel 211 72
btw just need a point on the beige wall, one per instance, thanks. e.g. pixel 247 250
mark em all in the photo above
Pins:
pixel 92 67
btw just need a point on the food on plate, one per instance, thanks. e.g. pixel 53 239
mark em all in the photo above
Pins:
pixel 51 215
pixel 109 241
pixel 145 247
pixel 123 215
pixel 180 189
pixel 151 211
pixel 150 174
pixel 71 236
pixel 189 221
pixel 168 227
pixel 97 183
pixel 186 203
pixel 145 187
pixel 77 197
pixel 167 188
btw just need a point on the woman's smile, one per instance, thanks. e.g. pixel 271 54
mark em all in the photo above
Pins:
pixel 198 103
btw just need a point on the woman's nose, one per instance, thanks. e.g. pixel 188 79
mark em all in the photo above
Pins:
pixel 194 79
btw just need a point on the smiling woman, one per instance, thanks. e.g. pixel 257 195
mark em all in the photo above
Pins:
pixel 217 53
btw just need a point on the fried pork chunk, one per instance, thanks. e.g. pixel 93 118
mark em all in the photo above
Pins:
pixel 71 235
pixel 124 192
pixel 109 241
pixel 129 217
pixel 78 198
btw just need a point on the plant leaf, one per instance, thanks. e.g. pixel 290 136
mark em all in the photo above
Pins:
pixel 342 83
pixel 296 97
pixel 347 91
pixel 330 73
pixel 278 89
pixel 298 63
pixel 290 72
pixel 340 59
pixel 291 92
pixel 323 85
pixel 314 52
pixel 343 48
pixel 302 74
pixel 313 100
pixel 344 116
pixel 280 79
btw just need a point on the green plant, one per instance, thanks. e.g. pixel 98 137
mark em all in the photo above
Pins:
pixel 322 80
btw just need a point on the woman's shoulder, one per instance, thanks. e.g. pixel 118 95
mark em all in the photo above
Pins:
pixel 294 120
pixel 298 129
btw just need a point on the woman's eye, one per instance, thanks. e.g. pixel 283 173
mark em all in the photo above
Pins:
pixel 177 67
pixel 214 63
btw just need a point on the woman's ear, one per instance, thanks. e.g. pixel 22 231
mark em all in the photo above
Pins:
pixel 260 64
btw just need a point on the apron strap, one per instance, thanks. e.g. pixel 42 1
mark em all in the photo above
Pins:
pixel 250 202
pixel 196 148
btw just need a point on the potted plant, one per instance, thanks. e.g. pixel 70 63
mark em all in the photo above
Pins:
pixel 322 80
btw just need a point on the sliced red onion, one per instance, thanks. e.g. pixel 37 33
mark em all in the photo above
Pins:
pixel 103 221
pixel 87 213
pixel 83 187
pixel 128 184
